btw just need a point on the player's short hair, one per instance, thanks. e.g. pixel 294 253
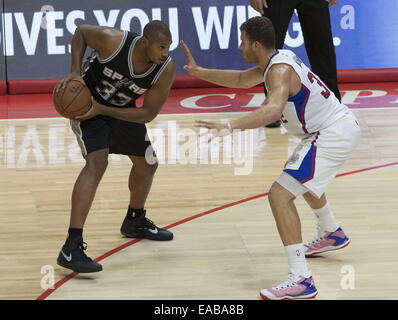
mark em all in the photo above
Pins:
pixel 153 28
pixel 260 29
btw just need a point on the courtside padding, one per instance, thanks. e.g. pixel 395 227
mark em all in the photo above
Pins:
pixel 28 86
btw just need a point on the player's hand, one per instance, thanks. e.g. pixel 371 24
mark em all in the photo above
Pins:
pixel 331 2
pixel 95 110
pixel 191 65
pixel 71 76
pixel 215 129
pixel 258 5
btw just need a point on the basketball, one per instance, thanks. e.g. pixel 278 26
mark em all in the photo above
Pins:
pixel 74 100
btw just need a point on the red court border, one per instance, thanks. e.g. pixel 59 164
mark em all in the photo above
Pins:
pixel 185 81
pixel 46 293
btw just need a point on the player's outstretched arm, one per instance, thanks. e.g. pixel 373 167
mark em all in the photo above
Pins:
pixel 226 78
pixel 280 85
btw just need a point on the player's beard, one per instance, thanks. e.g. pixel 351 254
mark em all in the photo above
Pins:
pixel 152 57
pixel 250 57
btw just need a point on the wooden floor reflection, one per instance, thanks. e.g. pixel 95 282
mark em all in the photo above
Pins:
pixel 231 253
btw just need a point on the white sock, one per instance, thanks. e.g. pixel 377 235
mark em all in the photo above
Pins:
pixel 325 219
pixel 296 259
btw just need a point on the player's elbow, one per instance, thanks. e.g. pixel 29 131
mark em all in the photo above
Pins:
pixel 148 117
pixel 81 32
pixel 249 83
pixel 147 120
pixel 246 85
pixel 81 28
pixel 137 116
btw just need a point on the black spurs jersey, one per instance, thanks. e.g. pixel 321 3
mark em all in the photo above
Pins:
pixel 112 81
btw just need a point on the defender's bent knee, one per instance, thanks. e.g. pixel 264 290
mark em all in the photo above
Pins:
pixel 277 193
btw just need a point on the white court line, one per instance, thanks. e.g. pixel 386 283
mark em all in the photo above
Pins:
pixel 190 114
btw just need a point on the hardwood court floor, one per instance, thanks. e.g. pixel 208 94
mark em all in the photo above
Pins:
pixel 231 252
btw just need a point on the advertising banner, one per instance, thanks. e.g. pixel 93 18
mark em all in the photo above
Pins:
pixel 36 35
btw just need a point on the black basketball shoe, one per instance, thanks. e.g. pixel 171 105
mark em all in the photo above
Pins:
pixel 142 227
pixel 72 257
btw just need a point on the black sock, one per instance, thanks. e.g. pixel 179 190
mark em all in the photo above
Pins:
pixel 135 213
pixel 74 233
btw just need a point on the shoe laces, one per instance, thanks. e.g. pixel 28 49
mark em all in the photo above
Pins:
pixel 143 222
pixel 83 246
pixel 290 282
pixel 318 237
pixel 147 223
pixel 79 250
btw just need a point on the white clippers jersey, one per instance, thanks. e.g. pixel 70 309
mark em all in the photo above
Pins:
pixel 315 107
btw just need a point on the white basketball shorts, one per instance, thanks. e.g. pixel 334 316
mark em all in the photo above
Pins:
pixel 318 157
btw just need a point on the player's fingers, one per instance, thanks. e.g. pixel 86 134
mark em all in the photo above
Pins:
pixel 187 52
pixel 329 2
pixel 81 117
pixel 188 68
pixel 60 85
pixel 204 124
pixel 332 3
pixel 94 103
pixel 185 48
pixel 214 133
pixel 257 6
pixel 203 134
pixel 70 77
pixel 183 45
pixel 265 5
pixel 202 121
pixel 64 83
pixel 80 79
pixel 57 86
pixel 224 132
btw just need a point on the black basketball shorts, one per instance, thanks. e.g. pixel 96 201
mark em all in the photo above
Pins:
pixel 121 137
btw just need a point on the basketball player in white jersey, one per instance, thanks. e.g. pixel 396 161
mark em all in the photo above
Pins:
pixel 309 110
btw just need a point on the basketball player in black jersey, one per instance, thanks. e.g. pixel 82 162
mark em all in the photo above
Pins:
pixel 121 68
